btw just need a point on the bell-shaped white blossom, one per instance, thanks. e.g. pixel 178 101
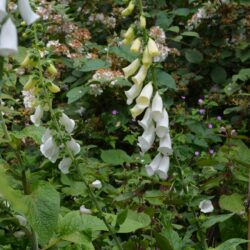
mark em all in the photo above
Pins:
pixel 73 146
pixel 133 92
pixel 50 150
pixel 206 206
pixel 96 184
pixel 146 141
pixel 3 12
pixel 26 12
pixel 84 210
pixel 162 170
pixel 69 124
pixel 153 166
pixel 145 96
pixel 36 118
pixel 157 107
pixel 141 75
pixel 146 120
pixel 131 68
pixel 165 146
pixel 65 164
pixel 46 135
pixel 162 127
pixel 137 110
pixel 8 39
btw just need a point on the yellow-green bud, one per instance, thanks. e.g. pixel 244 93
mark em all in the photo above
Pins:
pixel 52 69
pixel 128 11
pixel 30 84
pixel 143 22
pixel 146 58
pixel 28 62
pixel 152 48
pixel 136 45
pixel 129 34
pixel 53 88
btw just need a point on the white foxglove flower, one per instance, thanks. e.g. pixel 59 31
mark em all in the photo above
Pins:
pixel 46 135
pixel 131 68
pixel 153 166
pixel 8 39
pixel 133 92
pixel 64 165
pixel 137 110
pixel 96 184
pixel 145 96
pixel 206 206
pixel 163 168
pixel 146 120
pixel 36 118
pixel 165 145
pixel 136 45
pixel 162 127
pixel 146 141
pixel 73 146
pixel 68 123
pixel 27 14
pixel 3 12
pixel 152 48
pixel 157 107
pixel 22 220
pixel 50 150
pixel 84 210
pixel 141 75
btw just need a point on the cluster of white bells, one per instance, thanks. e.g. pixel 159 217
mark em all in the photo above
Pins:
pixel 8 34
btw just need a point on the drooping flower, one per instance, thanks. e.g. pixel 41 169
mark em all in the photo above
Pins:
pixel 36 118
pixel 128 11
pixel 165 146
pixel 50 150
pixel 137 110
pixel 145 95
pixel 153 166
pixel 26 12
pixel 157 107
pixel 65 164
pixel 146 141
pixel 73 146
pixel 146 120
pixel 131 68
pixel 141 75
pixel 146 57
pixel 152 48
pixel 69 124
pixel 162 170
pixel 133 92
pixel 206 206
pixel 8 39
pixel 3 12
pixel 136 45
pixel 84 210
pixel 162 127
pixel 96 184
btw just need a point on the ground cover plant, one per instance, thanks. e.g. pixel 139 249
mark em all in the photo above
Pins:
pixel 124 124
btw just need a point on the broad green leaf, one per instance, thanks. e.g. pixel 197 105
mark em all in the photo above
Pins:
pixel 115 156
pixel 33 132
pixel 231 244
pixel 174 29
pixel 243 75
pixel 123 52
pixel 165 80
pixel 218 75
pixel 194 56
pixel 94 64
pixel 233 203
pixel 182 12
pixel 43 209
pixel 121 217
pixel 190 33
pixel 212 220
pixel 154 197
pixel 163 242
pixel 76 93
pixel 164 19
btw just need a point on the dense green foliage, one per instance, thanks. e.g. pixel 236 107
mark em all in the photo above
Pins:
pixel 204 82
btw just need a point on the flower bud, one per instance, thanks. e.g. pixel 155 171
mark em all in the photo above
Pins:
pixel 36 118
pixel 64 165
pixel 73 146
pixel 96 184
pixel 136 45
pixel 30 84
pixel 53 88
pixel 69 124
pixel 146 58
pixel 128 11
pixel 131 68
pixel 142 22
pixel 157 107
pixel 52 69
pixel 129 34
pixel 152 48
pixel 84 210
pixel 141 75
pixel 145 96
pixel 28 62
pixel 137 110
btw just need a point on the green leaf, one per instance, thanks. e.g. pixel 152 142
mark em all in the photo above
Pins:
pixel 164 19
pixel 194 56
pixel 181 12
pixel 231 88
pixel 218 75
pixel 190 33
pixel 94 64
pixel 174 29
pixel 76 93
pixel 165 80
pixel 123 52
pixel 230 244
pixel 43 209
pixel 121 217
pixel 115 156
pixel 233 203
pixel 243 75
pixel 163 242
pixel 33 132
pixel 154 197
pixel 212 220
